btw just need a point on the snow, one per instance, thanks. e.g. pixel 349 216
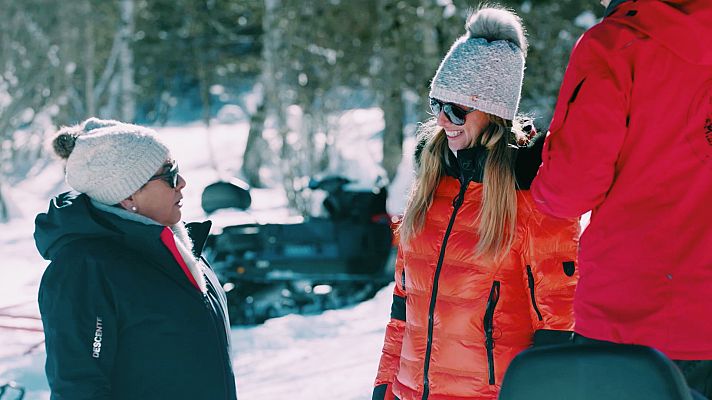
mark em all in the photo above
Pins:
pixel 331 355
pixel 586 20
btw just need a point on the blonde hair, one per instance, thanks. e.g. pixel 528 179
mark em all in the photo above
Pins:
pixel 498 213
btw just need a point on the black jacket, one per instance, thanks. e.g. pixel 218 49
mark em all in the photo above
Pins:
pixel 121 319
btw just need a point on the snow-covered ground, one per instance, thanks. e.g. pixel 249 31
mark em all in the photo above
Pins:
pixel 326 356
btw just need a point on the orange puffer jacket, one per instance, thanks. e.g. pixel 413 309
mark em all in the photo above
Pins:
pixel 457 323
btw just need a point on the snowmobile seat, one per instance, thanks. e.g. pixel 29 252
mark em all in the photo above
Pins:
pixel 593 372
pixel 226 194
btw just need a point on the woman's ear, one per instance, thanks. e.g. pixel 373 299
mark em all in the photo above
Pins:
pixel 128 204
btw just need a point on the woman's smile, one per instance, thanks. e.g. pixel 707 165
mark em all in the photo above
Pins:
pixel 453 134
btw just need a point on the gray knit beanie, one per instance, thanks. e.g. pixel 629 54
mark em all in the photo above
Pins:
pixel 109 160
pixel 484 68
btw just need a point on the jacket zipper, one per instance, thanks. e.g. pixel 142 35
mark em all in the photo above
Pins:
pixel 530 278
pixel 489 328
pixel 456 203
pixel 213 316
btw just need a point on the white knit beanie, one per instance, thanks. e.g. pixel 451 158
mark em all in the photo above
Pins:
pixel 484 68
pixel 109 160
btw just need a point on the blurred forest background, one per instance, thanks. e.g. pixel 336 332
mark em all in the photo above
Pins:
pixel 161 62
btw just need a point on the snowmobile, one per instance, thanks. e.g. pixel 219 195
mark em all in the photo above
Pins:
pixel 273 269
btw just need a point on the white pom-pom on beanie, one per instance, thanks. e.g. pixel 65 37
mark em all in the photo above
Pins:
pixel 484 68
pixel 111 160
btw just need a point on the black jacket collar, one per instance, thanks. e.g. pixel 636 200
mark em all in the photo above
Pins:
pixel 198 232
pixel 469 164
pixel 612 6
pixel 528 160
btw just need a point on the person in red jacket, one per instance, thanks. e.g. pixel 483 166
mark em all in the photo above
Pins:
pixel 631 140
pixel 480 273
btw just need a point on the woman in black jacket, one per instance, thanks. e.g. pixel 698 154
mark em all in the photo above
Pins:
pixel 130 309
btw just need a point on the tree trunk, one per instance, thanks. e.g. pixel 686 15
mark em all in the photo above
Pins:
pixel 89 54
pixel 391 79
pixel 430 24
pixel 204 88
pixel 128 102
pixel 107 75
pixel 255 148
pixel 393 113
pixel 271 81
pixel 4 214
pixel 111 107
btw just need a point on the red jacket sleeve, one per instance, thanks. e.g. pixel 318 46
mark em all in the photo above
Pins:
pixel 587 130
pixel 390 358
pixel 551 271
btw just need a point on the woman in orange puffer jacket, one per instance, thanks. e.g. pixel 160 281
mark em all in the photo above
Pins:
pixel 480 273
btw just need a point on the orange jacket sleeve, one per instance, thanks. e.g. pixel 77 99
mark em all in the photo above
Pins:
pixel 551 270
pixel 390 358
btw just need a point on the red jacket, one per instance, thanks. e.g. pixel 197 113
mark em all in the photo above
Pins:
pixel 482 314
pixel 631 139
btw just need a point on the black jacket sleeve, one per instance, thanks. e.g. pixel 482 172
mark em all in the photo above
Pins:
pixel 80 328
pixel 528 161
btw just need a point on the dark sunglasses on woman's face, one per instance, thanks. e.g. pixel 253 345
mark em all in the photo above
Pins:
pixel 170 176
pixel 454 113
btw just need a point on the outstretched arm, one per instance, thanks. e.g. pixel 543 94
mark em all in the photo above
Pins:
pixel 586 133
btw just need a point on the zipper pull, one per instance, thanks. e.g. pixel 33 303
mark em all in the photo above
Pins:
pixel 460 198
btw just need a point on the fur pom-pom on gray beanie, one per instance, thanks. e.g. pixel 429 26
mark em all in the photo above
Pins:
pixel 484 68
pixel 109 160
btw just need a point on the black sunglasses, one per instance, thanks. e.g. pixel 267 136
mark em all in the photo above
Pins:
pixel 454 113
pixel 170 176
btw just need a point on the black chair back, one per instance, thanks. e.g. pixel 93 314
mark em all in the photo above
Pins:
pixel 593 372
